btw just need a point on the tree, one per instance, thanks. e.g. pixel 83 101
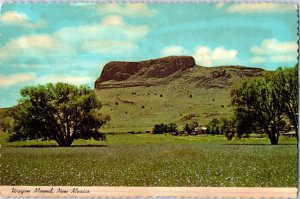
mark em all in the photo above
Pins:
pixel 164 128
pixel 227 127
pixel 187 128
pixel 245 123
pixel 60 112
pixel 214 126
pixel 172 128
pixel 6 124
pixel 286 86
pixel 190 127
pixel 257 99
pixel 159 128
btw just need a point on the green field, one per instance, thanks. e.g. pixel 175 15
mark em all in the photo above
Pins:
pixel 152 160
pixel 148 106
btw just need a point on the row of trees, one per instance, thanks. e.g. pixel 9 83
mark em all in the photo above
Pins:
pixel 230 127
pixel 64 112
pixel 164 128
pixel 266 104
pixel 173 128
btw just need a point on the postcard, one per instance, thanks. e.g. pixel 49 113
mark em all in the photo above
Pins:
pixel 133 99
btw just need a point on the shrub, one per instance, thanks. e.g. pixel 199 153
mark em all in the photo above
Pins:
pixel 159 128
pixel 164 128
pixel 214 126
pixel 190 127
pixel 228 127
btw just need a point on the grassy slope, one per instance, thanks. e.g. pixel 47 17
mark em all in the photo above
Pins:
pixel 175 105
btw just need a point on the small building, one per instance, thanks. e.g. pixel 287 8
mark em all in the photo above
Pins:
pixel 200 130
pixel 289 134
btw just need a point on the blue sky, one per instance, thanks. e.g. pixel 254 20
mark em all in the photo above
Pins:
pixel 71 43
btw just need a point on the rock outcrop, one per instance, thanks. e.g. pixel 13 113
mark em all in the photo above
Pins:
pixel 220 73
pixel 154 68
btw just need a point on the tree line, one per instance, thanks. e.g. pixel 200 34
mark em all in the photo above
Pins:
pixel 64 112
pixel 267 104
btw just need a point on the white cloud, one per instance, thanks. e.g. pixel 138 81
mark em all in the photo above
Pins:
pixel 111 36
pixel 14 79
pixel 220 5
pixel 274 51
pixel 109 47
pixel 206 56
pixel 273 46
pixel 39 45
pixel 129 9
pixel 245 8
pixel 19 19
pixel 173 50
pixel 54 78
pixel 113 20
pixel 13 17
pixel 112 30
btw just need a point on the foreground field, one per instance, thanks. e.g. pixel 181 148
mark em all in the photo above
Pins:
pixel 152 160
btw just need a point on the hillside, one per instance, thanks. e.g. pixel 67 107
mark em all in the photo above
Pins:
pixel 138 95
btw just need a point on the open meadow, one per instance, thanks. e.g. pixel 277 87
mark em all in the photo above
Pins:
pixel 151 160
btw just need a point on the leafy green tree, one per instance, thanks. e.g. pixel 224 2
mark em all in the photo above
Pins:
pixel 245 124
pixel 159 128
pixel 6 124
pixel 60 112
pixel 258 99
pixel 164 128
pixel 172 127
pixel 227 127
pixel 194 125
pixel 214 126
pixel 189 127
pixel 285 82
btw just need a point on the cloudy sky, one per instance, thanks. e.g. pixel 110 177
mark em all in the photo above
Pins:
pixel 65 42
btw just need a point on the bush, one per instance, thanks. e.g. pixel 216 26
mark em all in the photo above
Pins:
pixel 171 128
pixel 164 128
pixel 159 128
pixel 190 127
pixel 6 124
pixel 214 126
pixel 228 127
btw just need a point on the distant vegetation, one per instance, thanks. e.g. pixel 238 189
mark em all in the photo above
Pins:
pixel 266 104
pixel 165 128
pixel 59 112
pixel 190 127
pixel 269 103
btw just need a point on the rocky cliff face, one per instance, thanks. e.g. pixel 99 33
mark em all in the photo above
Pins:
pixel 154 68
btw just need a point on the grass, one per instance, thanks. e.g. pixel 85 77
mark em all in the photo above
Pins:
pixel 175 105
pixel 152 160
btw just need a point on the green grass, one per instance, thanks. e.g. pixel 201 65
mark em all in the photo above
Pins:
pixel 152 160
pixel 175 105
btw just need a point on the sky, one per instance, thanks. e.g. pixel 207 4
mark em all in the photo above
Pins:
pixel 64 42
